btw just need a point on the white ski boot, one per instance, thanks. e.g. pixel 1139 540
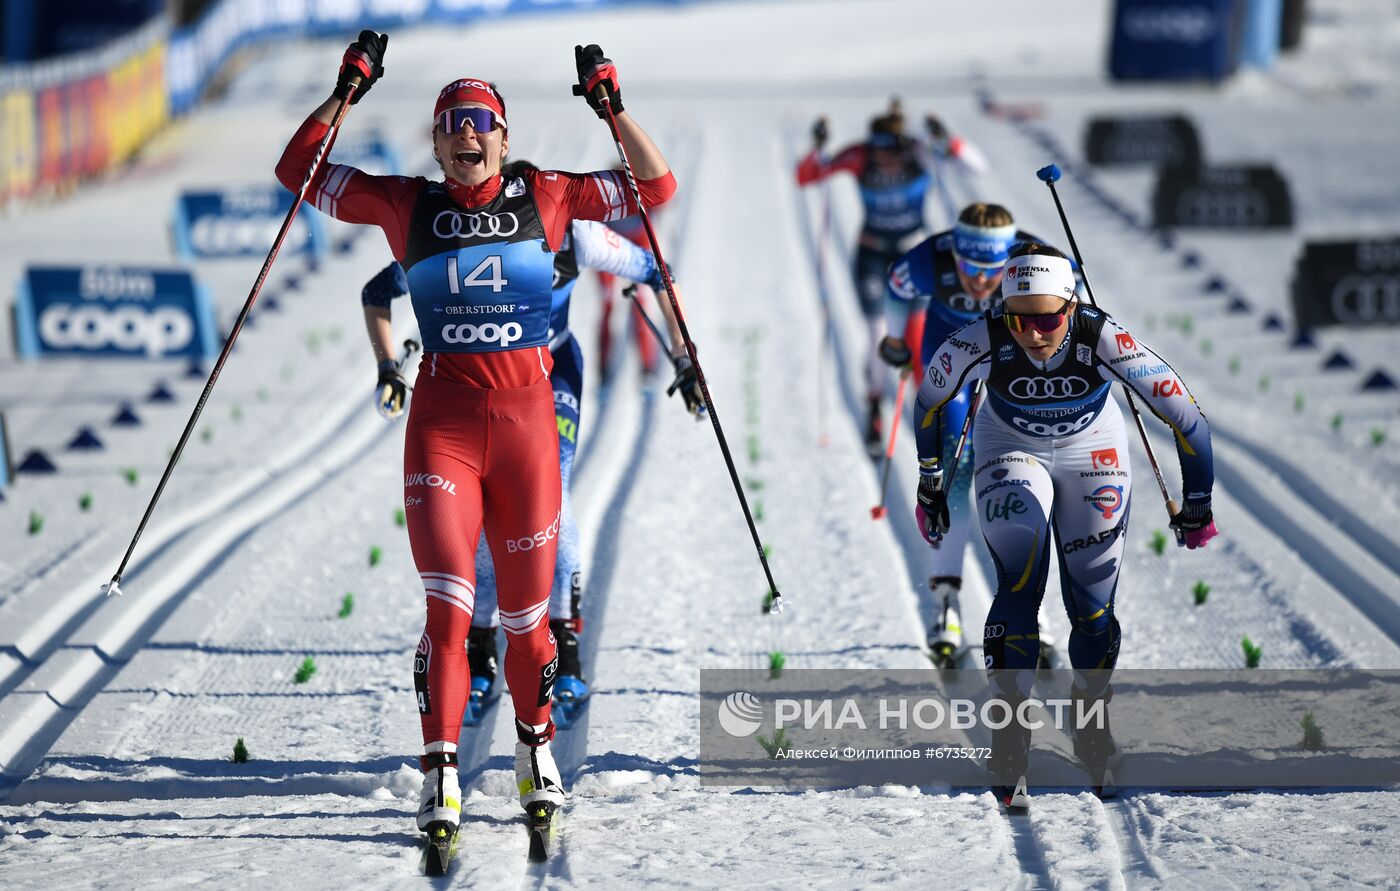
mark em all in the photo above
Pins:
pixel 440 803
pixel 537 776
pixel 945 636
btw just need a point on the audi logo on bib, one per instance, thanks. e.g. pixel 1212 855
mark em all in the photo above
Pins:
pixel 457 224
pixel 1048 387
pixel 490 332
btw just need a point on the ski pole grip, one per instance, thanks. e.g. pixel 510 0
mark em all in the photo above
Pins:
pixel 1050 173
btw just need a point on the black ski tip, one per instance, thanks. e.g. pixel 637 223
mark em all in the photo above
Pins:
pixel 542 819
pixel 441 845
pixel 539 848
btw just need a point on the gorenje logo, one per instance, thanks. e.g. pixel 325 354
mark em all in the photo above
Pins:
pixel 740 714
pixel 157 331
pixel 456 224
pixel 431 480
pixel 538 540
pixel 490 332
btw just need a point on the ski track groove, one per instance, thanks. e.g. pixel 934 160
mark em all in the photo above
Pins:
pixel 602 564
pixel 1030 857
pixel 109 652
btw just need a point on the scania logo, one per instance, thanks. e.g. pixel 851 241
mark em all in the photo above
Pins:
pixel 456 224
pixel 505 335
pixel 1048 387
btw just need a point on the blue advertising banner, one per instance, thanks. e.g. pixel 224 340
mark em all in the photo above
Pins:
pixel 370 152
pixel 243 223
pixel 116 311
pixel 1175 39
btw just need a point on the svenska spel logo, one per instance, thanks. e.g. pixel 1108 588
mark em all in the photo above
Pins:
pixel 740 714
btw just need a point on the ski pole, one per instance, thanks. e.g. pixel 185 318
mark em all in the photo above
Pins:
pixel 823 437
pixel 878 511
pixel 962 437
pixel 777 598
pixel 630 292
pixel 114 586
pixel 1050 174
pixel 410 346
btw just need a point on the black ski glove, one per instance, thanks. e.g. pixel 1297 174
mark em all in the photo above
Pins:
pixel 937 132
pixel 931 512
pixel 1193 525
pixel 688 383
pixel 594 70
pixel 820 133
pixel 655 282
pixel 894 351
pixel 363 59
pixel 391 392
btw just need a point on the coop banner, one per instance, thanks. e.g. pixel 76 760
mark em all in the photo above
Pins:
pixel 116 311
pixel 1170 729
pixel 243 223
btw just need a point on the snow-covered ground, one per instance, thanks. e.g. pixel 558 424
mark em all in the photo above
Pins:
pixel 117 718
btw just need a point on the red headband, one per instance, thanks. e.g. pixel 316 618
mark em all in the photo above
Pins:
pixel 469 91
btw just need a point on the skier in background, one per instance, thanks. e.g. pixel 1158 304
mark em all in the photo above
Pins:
pixel 587 245
pixel 894 172
pixel 1054 472
pixel 481 449
pixel 630 228
pixel 940 285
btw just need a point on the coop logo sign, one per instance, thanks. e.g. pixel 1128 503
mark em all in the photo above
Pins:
pixel 243 223
pixel 457 224
pixel 489 333
pixel 118 311
pixel 1172 24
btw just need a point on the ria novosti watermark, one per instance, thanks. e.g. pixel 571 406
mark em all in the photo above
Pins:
pixel 1178 729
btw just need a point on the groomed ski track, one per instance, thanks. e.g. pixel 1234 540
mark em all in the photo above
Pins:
pixel 125 768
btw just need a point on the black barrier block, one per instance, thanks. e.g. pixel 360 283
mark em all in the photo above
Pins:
pixel 1352 283
pixel 1237 306
pixel 1291 26
pixel 161 393
pixel 196 370
pixel 1215 285
pixel 1378 382
pixel 36 462
pixel 292 283
pixel 85 441
pixel 1273 323
pixel 1338 361
pixel 1162 141
pixel 126 417
pixel 270 302
pixel 1243 197
pixel 1303 340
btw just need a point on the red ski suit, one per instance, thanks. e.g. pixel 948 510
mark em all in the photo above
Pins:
pixel 481 449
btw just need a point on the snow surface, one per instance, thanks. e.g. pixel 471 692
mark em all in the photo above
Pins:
pixel 118 717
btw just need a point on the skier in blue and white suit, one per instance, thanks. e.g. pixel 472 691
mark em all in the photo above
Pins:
pixel 1052 463
pixel 587 245
pixel 938 286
